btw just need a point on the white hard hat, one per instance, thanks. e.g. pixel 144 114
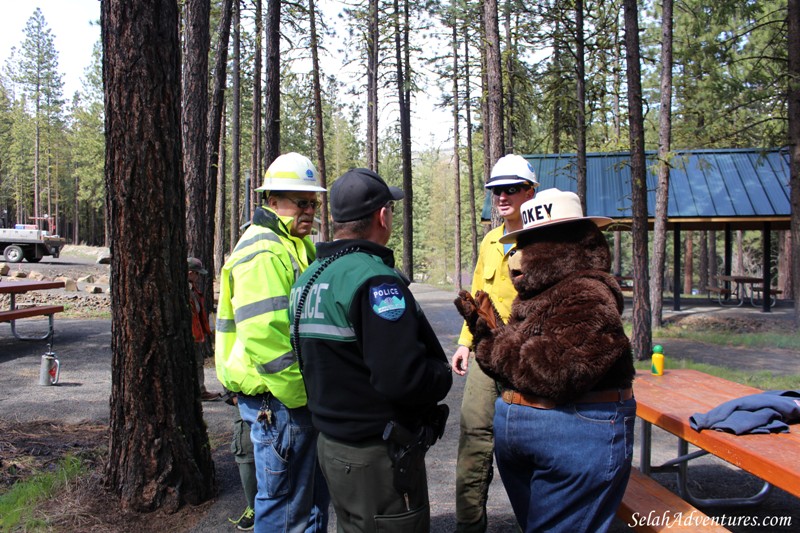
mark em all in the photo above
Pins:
pixel 291 172
pixel 512 169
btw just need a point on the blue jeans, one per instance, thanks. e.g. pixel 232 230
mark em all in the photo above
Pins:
pixel 292 495
pixel 565 469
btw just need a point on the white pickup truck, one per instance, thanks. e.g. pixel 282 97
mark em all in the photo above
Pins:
pixel 29 244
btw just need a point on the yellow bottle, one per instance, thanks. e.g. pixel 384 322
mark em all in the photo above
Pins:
pixel 657 366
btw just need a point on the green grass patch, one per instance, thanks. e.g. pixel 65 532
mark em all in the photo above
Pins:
pixel 763 380
pixel 18 504
pixel 774 339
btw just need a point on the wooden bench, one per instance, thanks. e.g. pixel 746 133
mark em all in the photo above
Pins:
pixel 12 315
pixel 646 504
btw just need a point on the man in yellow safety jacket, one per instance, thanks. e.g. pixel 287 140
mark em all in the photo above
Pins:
pixel 254 355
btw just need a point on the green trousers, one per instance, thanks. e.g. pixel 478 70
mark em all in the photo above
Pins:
pixel 360 480
pixel 242 449
pixel 474 469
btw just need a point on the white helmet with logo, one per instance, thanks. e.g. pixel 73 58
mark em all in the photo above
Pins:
pixel 512 169
pixel 291 172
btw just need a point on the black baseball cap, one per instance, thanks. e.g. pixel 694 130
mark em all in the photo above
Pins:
pixel 358 193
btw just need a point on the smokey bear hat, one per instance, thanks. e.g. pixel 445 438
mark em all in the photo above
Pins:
pixel 548 208
pixel 358 193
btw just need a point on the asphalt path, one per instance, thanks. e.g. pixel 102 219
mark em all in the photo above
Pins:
pixel 83 348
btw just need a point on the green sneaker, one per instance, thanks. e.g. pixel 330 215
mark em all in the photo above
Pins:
pixel 246 521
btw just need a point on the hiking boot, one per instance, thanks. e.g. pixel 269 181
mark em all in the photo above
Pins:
pixel 209 396
pixel 247 520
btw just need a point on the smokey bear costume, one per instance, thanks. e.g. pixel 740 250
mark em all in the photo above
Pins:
pixel 564 423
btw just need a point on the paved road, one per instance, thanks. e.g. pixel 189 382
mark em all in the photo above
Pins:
pixel 83 347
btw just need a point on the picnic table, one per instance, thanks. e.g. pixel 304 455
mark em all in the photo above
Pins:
pixel 14 313
pixel 743 288
pixel 668 401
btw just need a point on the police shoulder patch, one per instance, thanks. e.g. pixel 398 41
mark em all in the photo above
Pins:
pixel 387 301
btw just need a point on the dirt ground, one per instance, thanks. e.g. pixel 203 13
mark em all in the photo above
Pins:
pixel 27 445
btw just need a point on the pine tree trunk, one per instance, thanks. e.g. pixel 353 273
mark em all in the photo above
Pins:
pixel 702 282
pixel 372 86
pixel 219 233
pixel 257 159
pixel 272 87
pixel 658 263
pixel 793 42
pixel 473 223
pixel 688 263
pixel 494 92
pixel 159 454
pixel 641 338
pixel 215 126
pixel 580 96
pixel 236 127
pixel 319 137
pixel 456 163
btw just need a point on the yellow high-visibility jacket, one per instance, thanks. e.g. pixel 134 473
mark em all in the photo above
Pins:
pixel 253 352
pixel 491 276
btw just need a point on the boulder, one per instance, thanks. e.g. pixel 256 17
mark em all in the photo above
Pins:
pixel 69 284
pixel 36 275
pixel 86 279
pixel 4 269
pixel 93 289
pixel 18 274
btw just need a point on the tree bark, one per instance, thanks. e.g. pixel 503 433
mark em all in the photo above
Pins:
pixel 215 125
pixel 793 42
pixel 494 93
pixel 580 133
pixel 272 87
pixel 219 234
pixel 372 86
pixel 236 129
pixel 688 263
pixel 159 454
pixel 405 142
pixel 664 148
pixel 456 162
pixel 702 282
pixel 257 160
pixel 473 223
pixel 194 122
pixel 641 341
pixel 319 130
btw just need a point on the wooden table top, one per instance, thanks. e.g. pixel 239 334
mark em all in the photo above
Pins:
pixel 668 401
pixel 18 287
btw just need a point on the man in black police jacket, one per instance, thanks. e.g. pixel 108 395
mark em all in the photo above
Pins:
pixel 373 368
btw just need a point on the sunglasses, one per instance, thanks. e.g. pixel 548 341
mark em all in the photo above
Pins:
pixel 509 189
pixel 304 204
pixel 390 206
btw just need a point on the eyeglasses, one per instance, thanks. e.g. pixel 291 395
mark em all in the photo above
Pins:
pixel 509 189
pixel 304 204
pixel 390 205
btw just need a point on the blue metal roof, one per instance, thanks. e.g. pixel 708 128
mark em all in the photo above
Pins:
pixel 746 184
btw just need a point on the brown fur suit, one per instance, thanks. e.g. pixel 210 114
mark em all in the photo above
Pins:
pixel 564 336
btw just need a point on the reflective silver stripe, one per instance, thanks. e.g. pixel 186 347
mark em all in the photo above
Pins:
pixel 277 303
pixel 277 365
pixel 265 236
pixel 226 325
pixel 322 329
